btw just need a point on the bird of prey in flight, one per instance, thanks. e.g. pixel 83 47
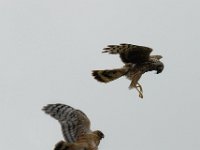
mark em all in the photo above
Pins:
pixel 137 60
pixel 75 128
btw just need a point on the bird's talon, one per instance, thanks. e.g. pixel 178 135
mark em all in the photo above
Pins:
pixel 139 91
pixel 140 87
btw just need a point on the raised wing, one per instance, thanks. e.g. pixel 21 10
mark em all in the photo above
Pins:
pixel 74 123
pixel 129 53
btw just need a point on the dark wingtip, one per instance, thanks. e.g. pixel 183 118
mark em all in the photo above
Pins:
pixel 49 107
pixel 61 146
pixel 106 50
pixel 99 133
pixel 44 108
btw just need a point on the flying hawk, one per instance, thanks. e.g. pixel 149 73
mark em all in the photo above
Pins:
pixel 75 128
pixel 137 60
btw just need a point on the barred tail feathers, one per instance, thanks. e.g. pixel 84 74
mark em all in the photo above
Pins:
pixel 108 75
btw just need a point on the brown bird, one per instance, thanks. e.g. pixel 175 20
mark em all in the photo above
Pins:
pixel 75 128
pixel 137 60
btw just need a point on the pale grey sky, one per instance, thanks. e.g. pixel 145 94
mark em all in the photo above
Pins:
pixel 49 47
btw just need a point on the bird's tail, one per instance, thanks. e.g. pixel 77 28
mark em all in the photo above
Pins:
pixel 109 75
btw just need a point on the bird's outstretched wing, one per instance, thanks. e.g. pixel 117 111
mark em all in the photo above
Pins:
pixel 129 53
pixel 74 123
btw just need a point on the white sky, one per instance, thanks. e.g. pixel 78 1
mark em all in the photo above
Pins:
pixel 49 47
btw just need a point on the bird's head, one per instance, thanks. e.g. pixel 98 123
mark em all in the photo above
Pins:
pixel 99 134
pixel 159 67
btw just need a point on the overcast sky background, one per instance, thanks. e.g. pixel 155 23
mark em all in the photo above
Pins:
pixel 49 47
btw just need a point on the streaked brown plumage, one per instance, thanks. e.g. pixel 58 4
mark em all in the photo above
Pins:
pixel 75 128
pixel 137 60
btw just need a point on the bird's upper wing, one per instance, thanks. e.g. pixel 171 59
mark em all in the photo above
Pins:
pixel 74 122
pixel 129 53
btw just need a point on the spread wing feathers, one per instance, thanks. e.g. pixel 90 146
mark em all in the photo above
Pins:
pixel 129 53
pixel 74 123
pixel 108 75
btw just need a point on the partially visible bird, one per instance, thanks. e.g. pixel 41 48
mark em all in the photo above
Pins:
pixel 75 128
pixel 137 60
